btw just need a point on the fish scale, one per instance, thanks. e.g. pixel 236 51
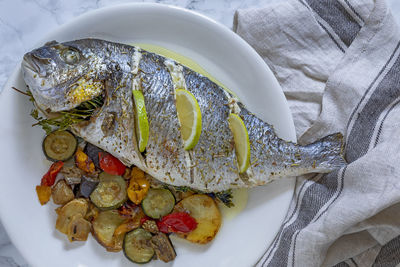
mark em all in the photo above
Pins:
pixel 211 165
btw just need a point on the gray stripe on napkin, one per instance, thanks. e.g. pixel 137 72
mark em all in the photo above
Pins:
pixel 337 17
pixel 387 91
pixel 354 10
pixel 389 254
pixel 383 120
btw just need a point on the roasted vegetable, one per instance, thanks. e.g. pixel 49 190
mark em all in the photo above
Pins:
pixel 93 153
pixel 163 247
pixel 138 186
pixel 92 212
pixel 110 193
pixel 78 229
pixel 111 164
pixel 87 186
pixel 43 192
pixel 59 145
pixel 103 228
pixel 67 212
pixel 71 174
pixel 207 215
pixel 50 177
pixel 62 193
pixel 137 246
pixel 83 162
pixel 150 226
pixel 177 222
pixel 158 202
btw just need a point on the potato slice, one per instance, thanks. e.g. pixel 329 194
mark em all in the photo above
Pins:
pixel 62 193
pixel 204 209
pixel 103 228
pixel 78 228
pixel 66 213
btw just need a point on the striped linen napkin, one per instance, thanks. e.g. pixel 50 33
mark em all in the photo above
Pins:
pixel 338 62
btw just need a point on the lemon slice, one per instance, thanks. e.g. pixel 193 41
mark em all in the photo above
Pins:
pixel 189 116
pixel 242 142
pixel 141 122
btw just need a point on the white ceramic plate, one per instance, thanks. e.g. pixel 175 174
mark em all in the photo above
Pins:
pixel 219 51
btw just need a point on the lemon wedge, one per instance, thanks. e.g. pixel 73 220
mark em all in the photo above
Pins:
pixel 141 122
pixel 242 142
pixel 189 116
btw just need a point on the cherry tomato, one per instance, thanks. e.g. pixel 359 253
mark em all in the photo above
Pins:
pixel 178 222
pixel 50 177
pixel 111 164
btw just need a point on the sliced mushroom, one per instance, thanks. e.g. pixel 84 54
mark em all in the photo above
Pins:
pixel 78 228
pixel 66 213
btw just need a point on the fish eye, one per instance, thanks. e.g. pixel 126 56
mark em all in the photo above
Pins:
pixel 70 56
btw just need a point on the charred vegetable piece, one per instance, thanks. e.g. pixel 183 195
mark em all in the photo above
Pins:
pixel 71 174
pixel 138 186
pixel 207 215
pixel 158 202
pixel 110 193
pixel 78 229
pixel 111 164
pixel 177 222
pixel 43 192
pixel 150 226
pixel 66 213
pixel 83 162
pixel 163 247
pixel 87 186
pixel 137 246
pixel 93 152
pixel 62 193
pixel 50 177
pixel 104 226
pixel 59 145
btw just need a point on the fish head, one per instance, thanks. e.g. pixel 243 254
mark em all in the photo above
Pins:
pixel 60 76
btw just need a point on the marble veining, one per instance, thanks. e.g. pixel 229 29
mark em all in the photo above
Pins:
pixel 23 22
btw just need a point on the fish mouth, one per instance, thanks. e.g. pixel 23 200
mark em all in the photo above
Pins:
pixel 30 64
pixel 35 65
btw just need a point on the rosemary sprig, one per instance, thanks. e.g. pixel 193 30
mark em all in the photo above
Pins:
pixel 66 118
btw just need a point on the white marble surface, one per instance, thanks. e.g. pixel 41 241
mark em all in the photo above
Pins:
pixel 23 22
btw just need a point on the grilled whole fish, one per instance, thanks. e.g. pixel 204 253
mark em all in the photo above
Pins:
pixel 61 76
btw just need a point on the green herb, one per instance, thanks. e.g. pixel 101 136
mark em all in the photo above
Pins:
pixel 66 118
pixel 224 196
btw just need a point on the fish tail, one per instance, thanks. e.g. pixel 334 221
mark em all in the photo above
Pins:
pixel 327 153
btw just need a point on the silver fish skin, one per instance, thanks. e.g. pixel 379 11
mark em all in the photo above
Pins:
pixel 63 75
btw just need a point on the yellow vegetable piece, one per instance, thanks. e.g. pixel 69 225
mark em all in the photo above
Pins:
pixel 43 193
pixel 138 186
pixel 83 162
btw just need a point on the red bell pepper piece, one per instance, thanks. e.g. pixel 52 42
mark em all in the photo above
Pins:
pixel 50 177
pixel 178 222
pixel 111 164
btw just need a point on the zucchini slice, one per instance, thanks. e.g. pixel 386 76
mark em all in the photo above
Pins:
pixel 59 145
pixel 103 227
pixel 110 193
pixel 137 246
pixel 158 202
